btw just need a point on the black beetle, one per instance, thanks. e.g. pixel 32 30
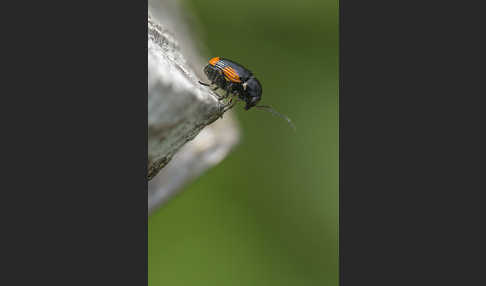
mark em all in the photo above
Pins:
pixel 236 79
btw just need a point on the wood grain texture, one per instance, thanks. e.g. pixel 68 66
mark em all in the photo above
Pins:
pixel 181 113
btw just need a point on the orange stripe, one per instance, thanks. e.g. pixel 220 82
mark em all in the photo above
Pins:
pixel 231 74
pixel 213 61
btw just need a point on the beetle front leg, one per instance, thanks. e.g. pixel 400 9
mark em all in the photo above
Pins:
pixel 227 106
pixel 208 84
pixel 219 97
pixel 226 95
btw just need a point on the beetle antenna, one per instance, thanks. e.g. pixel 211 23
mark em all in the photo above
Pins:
pixel 275 112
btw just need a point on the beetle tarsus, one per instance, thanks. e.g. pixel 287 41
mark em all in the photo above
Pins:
pixel 227 106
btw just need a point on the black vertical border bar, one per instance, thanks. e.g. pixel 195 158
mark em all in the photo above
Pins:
pixel 411 143
pixel 78 142
pixel 374 102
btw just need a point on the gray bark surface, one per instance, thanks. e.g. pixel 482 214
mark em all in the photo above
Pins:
pixel 182 141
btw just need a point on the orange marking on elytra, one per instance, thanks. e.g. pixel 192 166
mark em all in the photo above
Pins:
pixel 231 74
pixel 213 61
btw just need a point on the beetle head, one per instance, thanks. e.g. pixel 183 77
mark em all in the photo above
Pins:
pixel 253 92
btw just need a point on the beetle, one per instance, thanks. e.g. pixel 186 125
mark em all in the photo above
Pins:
pixel 235 79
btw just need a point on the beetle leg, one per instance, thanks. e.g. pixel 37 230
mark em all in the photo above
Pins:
pixel 214 89
pixel 226 107
pixel 208 84
pixel 222 110
pixel 228 89
pixel 220 97
pixel 229 105
pixel 223 97
pixel 229 102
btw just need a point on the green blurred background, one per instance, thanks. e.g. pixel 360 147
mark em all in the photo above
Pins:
pixel 268 214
